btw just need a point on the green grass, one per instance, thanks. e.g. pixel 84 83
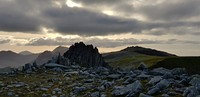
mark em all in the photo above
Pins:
pixel 132 61
pixel 128 59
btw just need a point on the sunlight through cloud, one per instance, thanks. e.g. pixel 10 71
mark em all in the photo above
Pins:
pixel 70 3
pixel 108 12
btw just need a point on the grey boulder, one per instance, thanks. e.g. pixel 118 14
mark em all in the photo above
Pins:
pixel 129 89
pixel 154 80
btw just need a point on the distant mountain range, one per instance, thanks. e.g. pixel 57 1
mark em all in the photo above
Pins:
pixel 47 55
pixel 26 53
pixel 128 56
pixel 12 59
pixel 9 58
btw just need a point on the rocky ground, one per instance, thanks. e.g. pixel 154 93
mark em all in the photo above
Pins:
pixel 76 81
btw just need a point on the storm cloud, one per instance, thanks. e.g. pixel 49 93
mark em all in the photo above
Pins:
pixel 29 16
pixel 83 22
pixel 151 9
pixel 24 16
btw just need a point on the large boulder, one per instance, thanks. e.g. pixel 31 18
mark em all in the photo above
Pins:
pixel 29 68
pixel 85 55
pixel 191 92
pixel 142 67
pixel 144 95
pixel 79 89
pixel 114 76
pixel 129 90
pixel 154 80
pixel 195 81
pixel 163 84
pixel 95 94
pixel 178 71
pixel 159 71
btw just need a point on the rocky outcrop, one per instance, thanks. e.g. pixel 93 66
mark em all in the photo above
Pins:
pixel 29 68
pixel 142 67
pixel 85 55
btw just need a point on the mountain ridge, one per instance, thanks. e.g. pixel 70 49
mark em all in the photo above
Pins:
pixel 131 57
pixel 25 53
pixel 147 51
pixel 12 59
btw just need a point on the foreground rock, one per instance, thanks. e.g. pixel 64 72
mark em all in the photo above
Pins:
pixel 74 80
pixel 142 67
pixel 128 90
pixel 163 84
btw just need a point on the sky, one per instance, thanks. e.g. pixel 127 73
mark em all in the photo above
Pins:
pixel 37 25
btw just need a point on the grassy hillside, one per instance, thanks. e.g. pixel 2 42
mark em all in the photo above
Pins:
pixel 192 64
pixel 126 59
pixel 131 57
pixel 148 51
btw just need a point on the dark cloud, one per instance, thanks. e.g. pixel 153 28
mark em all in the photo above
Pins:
pixel 173 29
pixel 164 10
pixel 100 2
pixel 20 15
pixel 166 15
pixel 182 9
pixel 18 23
pixel 83 22
pixel 174 10
pixel 118 6
pixel 176 41
pixel 30 15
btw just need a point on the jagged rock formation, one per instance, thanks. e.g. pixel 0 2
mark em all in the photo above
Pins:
pixel 62 60
pixel 28 68
pixel 142 67
pixel 85 55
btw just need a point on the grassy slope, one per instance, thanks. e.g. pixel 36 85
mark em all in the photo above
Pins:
pixel 126 59
pixel 192 64
pixel 133 56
